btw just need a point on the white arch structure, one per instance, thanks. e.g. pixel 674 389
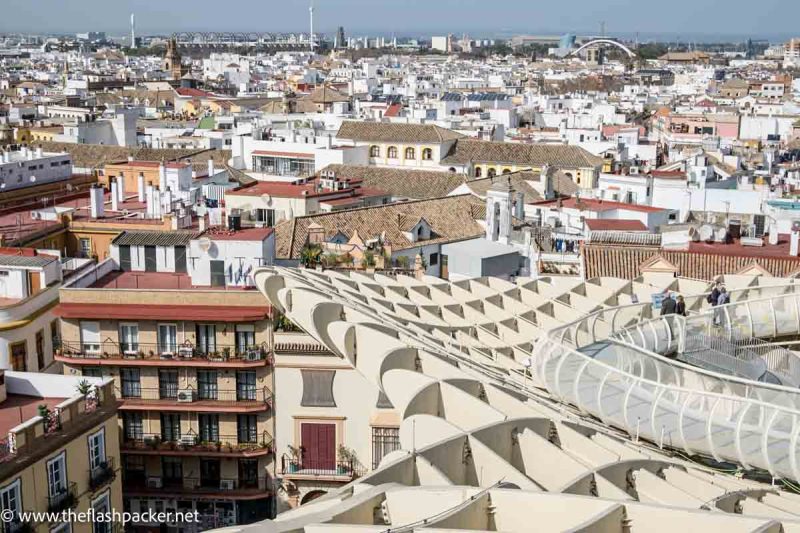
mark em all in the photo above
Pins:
pixel 609 42
pixel 587 440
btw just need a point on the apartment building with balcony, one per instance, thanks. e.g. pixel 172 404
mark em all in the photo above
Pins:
pixel 60 450
pixel 29 282
pixel 175 320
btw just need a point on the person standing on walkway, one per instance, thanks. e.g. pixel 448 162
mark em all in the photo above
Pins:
pixel 724 298
pixel 714 295
pixel 680 306
pixel 667 306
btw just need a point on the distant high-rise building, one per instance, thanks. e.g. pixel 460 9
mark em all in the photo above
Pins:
pixel 341 41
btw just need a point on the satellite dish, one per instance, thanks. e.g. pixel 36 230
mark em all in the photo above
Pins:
pixel 69 187
pixel 527 363
pixel 32 179
pixel 266 198
pixel 706 232
pixel 204 243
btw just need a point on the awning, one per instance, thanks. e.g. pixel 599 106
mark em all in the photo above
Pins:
pixel 209 313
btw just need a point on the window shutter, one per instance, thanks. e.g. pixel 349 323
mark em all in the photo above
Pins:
pixel 318 388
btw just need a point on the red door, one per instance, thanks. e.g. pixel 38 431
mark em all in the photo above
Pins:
pixel 319 445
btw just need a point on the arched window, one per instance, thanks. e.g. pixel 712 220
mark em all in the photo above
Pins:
pixel 452 170
pixel 411 153
pixel 374 151
pixel 478 172
pixel 427 154
pixel 506 171
pixel 492 173
pixel 391 153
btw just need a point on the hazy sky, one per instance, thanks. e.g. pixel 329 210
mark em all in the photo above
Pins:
pixel 681 17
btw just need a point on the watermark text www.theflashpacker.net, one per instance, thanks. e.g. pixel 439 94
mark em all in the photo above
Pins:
pixel 92 516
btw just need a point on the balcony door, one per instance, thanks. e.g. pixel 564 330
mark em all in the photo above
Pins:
pixel 206 338
pixel 167 338
pixel 150 262
pixel 319 444
pixel 57 476
pixel 209 473
pixel 129 338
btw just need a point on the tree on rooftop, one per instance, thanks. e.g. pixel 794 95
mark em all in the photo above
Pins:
pixel 310 255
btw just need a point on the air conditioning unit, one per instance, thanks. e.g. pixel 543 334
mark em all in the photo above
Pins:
pixel 154 483
pixel 253 355
pixel 226 484
pixel 185 395
pixel 185 351
pixel 189 440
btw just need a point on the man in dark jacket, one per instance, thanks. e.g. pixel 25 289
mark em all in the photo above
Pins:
pixel 668 306
pixel 714 296
pixel 680 306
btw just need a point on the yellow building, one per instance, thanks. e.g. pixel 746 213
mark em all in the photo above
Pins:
pixel 193 369
pixel 62 452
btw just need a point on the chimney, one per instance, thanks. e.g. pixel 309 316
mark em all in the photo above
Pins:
pixel 293 136
pixel 794 243
pixel 162 176
pixel 210 167
pixel 96 206
pixel 168 201
pixel 201 222
pixel 149 201
pixel 140 187
pixel 114 195
pixel 157 200
pixel 519 205
pixel 39 151
pixel 329 142
pixel 121 187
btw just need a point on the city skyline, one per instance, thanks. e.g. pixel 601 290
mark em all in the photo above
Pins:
pixel 410 18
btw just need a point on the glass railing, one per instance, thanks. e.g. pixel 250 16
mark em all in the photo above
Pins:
pixel 616 365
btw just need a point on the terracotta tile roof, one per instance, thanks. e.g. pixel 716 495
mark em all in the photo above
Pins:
pixel 401 183
pixel 590 204
pixel 468 151
pixel 519 182
pixel 97 155
pixel 452 218
pixel 194 93
pixel 614 224
pixel 625 262
pixel 326 95
pixel 395 132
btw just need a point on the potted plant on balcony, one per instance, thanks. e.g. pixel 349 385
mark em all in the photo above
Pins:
pixel 295 453
pixel 226 353
pixel 84 387
pixel 347 458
